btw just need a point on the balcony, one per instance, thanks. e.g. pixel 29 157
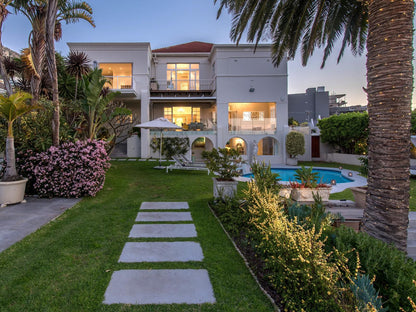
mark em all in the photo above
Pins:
pixel 206 127
pixel 241 126
pixel 122 84
pixel 182 88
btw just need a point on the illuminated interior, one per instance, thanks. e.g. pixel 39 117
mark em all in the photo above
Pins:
pixel 119 75
pixel 267 147
pixel 182 76
pixel 238 144
pixel 182 115
pixel 252 116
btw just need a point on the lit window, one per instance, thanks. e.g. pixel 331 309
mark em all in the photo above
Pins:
pixel 182 76
pixel 167 113
pixel 119 75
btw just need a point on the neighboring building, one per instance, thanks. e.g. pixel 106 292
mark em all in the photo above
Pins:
pixel 338 105
pixel 313 104
pixel 220 94
pixel 316 103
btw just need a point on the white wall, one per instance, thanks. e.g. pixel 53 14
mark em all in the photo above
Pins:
pixel 237 69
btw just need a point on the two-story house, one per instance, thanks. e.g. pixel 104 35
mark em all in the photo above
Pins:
pixel 222 95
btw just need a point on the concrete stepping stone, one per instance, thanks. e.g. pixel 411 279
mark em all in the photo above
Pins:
pixel 162 230
pixel 163 216
pixel 159 287
pixel 161 252
pixel 164 205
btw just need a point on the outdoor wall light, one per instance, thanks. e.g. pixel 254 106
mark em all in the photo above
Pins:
pixel 350 174
pixel 251 89
pixel 340 168
pixel 333 182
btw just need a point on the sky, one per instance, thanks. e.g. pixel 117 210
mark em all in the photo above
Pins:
pixel 165 22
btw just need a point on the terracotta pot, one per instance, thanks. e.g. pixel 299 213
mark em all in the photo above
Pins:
pixel 12 192
pixel 225 189
pixel 306 194
pixel 359 194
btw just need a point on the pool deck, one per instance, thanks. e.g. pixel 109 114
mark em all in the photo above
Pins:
pixel 358 180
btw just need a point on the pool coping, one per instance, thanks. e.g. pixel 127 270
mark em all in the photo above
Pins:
pixel 358 179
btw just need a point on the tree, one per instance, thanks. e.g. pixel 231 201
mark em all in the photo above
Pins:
pixel 11 108
pixel 37 13
pixel 3 14
pixel 389 26
pixel 95 101
pixel 77 66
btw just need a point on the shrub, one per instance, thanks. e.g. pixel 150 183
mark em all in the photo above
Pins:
pixel 170 146
pixel 295 144
pixel 348 132
pixel 296 263
pixel 264 178
pixel 393 271
pixel 223 161
pixel 70 170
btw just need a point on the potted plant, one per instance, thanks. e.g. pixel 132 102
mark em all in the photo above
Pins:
pixel 304 190
pixel 12 185
pixel 225 163
pixel 295 145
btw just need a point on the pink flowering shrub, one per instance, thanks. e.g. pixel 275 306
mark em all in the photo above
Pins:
pixel 70 170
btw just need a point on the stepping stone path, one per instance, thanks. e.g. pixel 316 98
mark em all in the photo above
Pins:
pixel 162 286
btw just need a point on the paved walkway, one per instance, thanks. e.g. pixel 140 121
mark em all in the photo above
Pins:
pixel 161 286
pixel 20 220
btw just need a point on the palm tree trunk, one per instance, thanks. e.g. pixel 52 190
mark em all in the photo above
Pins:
pixel 50 57
pixel 390 84
pixel 3 13
pixel 10 174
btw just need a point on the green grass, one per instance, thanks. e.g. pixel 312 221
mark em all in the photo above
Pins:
pixel 67 264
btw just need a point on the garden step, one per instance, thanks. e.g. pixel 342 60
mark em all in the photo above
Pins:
pixel 162 230
pixel 412 219
pixel 411 234
pixel 159 287
pixel 161 252
pixel 164 205
pixel 411 247
pixel 163 216
pixel 340 204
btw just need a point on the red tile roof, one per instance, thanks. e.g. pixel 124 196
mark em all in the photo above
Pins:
pixel 194 46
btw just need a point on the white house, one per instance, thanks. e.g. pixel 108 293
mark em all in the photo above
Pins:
pixel 220 94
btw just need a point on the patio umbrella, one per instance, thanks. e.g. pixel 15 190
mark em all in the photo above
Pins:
pixel 159 124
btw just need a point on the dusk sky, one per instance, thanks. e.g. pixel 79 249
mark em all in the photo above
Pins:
pixel 165 22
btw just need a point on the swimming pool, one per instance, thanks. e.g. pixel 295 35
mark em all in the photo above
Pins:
pixel 325 175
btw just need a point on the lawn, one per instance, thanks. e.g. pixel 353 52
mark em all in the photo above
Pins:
pixel 67 264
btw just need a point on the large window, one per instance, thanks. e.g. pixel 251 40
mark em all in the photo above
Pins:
pixel 183 116
pixel 182 76
pixel 252 117
pixel 119 75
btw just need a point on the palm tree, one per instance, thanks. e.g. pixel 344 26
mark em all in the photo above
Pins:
pixel 37 13
pixel 77 66
pixel 11 108
pixel 3 14
pixel 320 23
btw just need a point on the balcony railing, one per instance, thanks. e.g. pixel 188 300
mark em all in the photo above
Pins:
pixel 181 85
pixel 238 125
pixel 119 82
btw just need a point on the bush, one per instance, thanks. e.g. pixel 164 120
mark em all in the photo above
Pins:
pixel 296 263
pixel 295 144
pixel 70 170
pixel 264 178
pixel 393 271
pixel 170 146
pixel 224 162
pixel 348 132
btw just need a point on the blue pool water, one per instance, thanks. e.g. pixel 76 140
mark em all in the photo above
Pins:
pixel 325 175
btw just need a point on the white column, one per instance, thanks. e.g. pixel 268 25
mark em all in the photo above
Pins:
pixel 145 133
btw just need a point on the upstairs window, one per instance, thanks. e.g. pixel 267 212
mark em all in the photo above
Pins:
pixel 182 76
pixel 119 75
